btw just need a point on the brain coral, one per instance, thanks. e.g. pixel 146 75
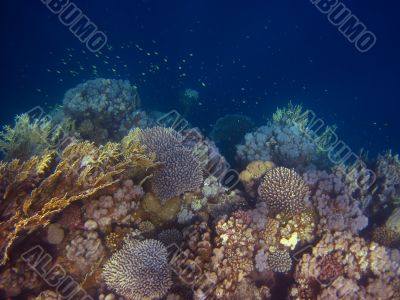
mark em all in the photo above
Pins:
pixel 180 170
pixel 139 270
pixel 283 190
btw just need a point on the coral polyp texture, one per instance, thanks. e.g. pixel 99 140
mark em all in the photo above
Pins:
pixel 279 261
pixel 284 191
pixel 129 209
pixel 342 264
pixel 337 208
pixel 180 170
pixel 139 270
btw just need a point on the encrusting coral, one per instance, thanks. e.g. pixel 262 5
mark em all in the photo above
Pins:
pixel 341 258
pixel 336 207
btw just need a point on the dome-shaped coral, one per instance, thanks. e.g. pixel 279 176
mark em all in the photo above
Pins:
pixel 180 170
pixel 279 261
pixel 283 190
pixel 139 270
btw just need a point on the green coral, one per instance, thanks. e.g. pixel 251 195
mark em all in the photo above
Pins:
pixel 31 137
pixel 291 114
pixel 295 115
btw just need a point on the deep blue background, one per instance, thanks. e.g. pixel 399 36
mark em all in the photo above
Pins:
pixel 252 56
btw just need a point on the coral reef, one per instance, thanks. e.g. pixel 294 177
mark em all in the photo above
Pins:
pixel 251 176
pixel 336 207
pixel 84 251
pixel 115 209
pixel 341 259
pixel 285 140
pixel 232 258
pixel 376 185
pixel 99 106
pixel 160 212
pixel 35 191
pixel 180 170
pixel 139 211
pixel 139 270
pixel 21 277
pixel 389 233
pixel 284 191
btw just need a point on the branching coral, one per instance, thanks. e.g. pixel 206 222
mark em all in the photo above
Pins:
pixel 30 200
pixel 284 191
pixel 139 270
pixel 336 207
pixel 180 170
pixel 32 136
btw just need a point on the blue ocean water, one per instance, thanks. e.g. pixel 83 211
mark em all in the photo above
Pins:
pixel 242 57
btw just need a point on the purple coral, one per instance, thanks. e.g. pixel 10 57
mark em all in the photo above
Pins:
pixel 139 270
pixel 336 207
pixel 180 170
